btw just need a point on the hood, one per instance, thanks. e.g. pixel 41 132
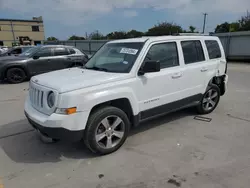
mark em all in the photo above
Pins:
pixel 76 78
pixel 12 58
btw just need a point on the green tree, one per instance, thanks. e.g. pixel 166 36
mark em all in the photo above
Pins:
pixel 134 34
pixel 117 35
pixel 164 28
pixel 96 36
pixel 222 28
pixel 74 37
pixel 234 26
pixel 192 29
pixel 52 39
pixel 244 23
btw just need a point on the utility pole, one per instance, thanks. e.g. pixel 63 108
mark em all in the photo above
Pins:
pixel 204 24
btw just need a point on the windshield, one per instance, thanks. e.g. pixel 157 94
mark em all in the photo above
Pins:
pixel 115 57
pixel 29 52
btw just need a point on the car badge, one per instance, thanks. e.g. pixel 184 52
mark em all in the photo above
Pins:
pixel 36 80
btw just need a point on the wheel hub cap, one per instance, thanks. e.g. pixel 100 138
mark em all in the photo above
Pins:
pixel 110 131
pixel 210 100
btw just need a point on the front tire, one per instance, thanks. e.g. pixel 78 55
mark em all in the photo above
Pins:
pixel 106 131
pixel 209 100
pixel 15 75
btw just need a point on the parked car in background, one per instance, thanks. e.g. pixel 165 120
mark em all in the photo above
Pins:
pixel 15 51
pixel 39 60
pixel 3 49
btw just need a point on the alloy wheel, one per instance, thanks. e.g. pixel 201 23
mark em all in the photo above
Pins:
pixel 210 100
pixel 110 132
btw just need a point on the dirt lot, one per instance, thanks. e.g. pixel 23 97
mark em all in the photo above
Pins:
pixel 172 151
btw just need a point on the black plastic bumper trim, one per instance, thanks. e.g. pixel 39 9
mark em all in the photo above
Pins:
pixel 57 133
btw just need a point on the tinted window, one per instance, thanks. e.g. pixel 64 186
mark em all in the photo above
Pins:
pixel 213 49
pixel 16 51
pixel 166 53
pixel 192 51
pixel 72 51
pixel 44 52
pixel 60 51
pixel 35 28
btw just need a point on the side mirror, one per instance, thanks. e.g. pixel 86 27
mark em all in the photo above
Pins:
pixel 35 57
pixel 149 66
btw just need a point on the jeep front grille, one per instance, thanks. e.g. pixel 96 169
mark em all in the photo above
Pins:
pixel 36 97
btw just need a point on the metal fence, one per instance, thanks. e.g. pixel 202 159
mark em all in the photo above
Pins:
pixel 88 46
pixel 236 44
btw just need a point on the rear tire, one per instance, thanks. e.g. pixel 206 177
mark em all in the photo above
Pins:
pixel 15 75
pixel 209 100
pixel 106 130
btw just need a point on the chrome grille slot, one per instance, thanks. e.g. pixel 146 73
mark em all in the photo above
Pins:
pixel 42 99
pixel 36 97
pixel 38 100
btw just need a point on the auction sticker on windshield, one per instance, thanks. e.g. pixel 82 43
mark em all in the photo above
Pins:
pixel 128 51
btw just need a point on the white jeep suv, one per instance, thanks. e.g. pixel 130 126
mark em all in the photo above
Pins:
pixel 124 83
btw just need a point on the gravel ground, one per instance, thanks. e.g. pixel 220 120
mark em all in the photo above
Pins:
pixel 172 151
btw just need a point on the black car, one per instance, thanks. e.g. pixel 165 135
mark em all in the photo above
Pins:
pixel 15 51
pixel 39 60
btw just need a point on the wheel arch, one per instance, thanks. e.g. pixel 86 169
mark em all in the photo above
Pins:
pixel 217 80
pixel 15 66
pixel 121 103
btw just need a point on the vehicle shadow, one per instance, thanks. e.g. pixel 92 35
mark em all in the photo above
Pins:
pixel 22 145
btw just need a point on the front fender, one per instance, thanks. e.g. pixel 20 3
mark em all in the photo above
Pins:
pixel 86 101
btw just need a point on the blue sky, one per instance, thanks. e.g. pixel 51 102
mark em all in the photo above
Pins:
pixel 63 18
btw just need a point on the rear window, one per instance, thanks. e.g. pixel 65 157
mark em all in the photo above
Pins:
pixel 60 51
pixel 213 49
pixel 192 51
pixel 72 51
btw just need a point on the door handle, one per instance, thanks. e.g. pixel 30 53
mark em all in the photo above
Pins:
pixel 176 75
pixel 204 69
pixel 68 58
pixel 48 60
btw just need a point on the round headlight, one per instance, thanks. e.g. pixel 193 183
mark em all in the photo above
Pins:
pixel 51 99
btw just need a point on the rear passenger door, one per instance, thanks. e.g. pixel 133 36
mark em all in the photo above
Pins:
pixel 194 67
pixel 60 59
pixel 216 59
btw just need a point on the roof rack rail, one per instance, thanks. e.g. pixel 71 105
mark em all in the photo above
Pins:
pixel 191 34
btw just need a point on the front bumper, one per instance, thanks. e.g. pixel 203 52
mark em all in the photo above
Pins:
pixel 57 126
pixel 56 133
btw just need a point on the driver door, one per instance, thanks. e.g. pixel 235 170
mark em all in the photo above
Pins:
pixel 40 62
pixel 158 91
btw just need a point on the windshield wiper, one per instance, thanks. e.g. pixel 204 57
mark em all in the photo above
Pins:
pixel 97 68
